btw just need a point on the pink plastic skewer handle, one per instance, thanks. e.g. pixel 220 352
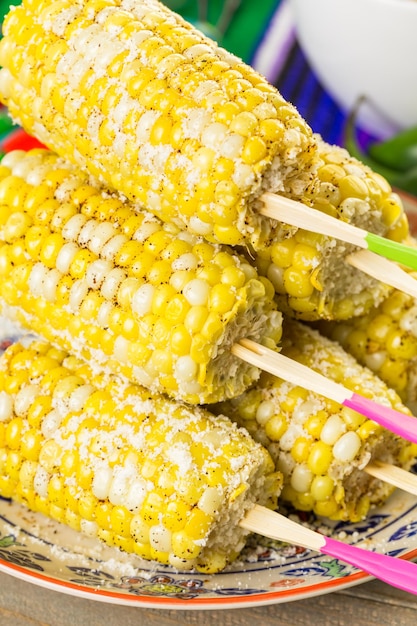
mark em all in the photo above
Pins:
pixel 396 422
pixel 394 571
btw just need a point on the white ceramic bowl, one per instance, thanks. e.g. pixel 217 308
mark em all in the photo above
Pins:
pixel 364 47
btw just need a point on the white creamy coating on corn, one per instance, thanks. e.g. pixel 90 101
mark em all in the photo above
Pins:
pixel 137 296
pixel 155 478
pixel 159 112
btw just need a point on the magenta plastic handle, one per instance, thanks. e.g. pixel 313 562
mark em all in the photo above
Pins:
pixel 394 571
pixel 392 420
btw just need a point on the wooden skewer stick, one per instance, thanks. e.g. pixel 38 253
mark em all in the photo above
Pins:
pixel 283 367
pixel 298 214
pixel 394 571
pixel 383 270
pixel 393 475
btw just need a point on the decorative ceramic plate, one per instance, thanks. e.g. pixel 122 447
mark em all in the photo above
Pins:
pixel 46 553
pixel 49 554
pixel 38 550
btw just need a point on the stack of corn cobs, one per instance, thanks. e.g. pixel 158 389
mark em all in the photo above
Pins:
pixel 134 248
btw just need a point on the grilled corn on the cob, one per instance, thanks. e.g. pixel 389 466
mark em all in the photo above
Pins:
pixel 385 340
pixel 309 271
pixel 163 308
pixel 153 477
pixel 143 101
pixel 320 446
pixel 140 99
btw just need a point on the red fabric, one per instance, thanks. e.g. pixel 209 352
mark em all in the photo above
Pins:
pixel 20 140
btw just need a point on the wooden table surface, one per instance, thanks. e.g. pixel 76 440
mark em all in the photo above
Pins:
pixel 369 604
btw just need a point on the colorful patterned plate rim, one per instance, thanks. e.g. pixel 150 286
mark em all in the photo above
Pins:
pixel 48 554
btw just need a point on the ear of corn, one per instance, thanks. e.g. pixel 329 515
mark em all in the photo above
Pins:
pixel 385 340
pixel 161 307
pixel 138 471
pixel 135 95
pixel 309 271
pixel 320 446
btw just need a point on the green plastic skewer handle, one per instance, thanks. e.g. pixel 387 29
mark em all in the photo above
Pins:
pixel 400 253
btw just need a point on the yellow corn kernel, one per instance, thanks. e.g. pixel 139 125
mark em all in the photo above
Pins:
pixel 322 488
pixel 320 458
pixel 183 546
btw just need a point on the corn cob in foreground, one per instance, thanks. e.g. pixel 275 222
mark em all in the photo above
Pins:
pixel 385 340
pixel 146 103
pixel 138 471
pixel 309 271
pixel 321 447
pixel 80 267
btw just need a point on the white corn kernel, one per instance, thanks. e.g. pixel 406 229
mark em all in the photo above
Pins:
pixel 142 300
pixel 332 430
pixel 135 495
pixel 199 227
pixel 145 230
pixel 121 349
pixel 211 501
pixel 6 406
pixel 50 423
pixel 347 447
pixel 88 527
pixel 232 146
pixel 103 314
pixel 12 159
pixel 214 135
pixel 301 478
pixel 50 284
pixel 187 261
pixel 118 488
pixel 36 279
pixel 79 397
pixel 97 272
pixel 112 247
pixel 86 232
pixel 72 228
pixel 197 292
pixel 375 360
pixel 40 481
pixel 77 295
pixel 24 399
pixel 265 411
pixel 160 538
pixel 112 283
pixel 101 482
pixel 66 256
pixel 101 235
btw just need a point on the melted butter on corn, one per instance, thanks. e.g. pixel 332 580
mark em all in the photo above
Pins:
pixel 82 268
pixel 138 471
pixel 146 103
pixel 320 446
